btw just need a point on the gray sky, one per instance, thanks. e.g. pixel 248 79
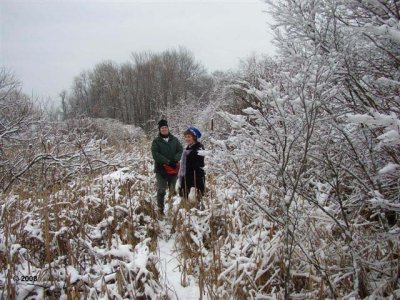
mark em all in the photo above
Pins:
pixel 47 43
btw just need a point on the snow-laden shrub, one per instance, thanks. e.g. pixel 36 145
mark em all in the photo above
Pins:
pixel 313 153
pixel 48 153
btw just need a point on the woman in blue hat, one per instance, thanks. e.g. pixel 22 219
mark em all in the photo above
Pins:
pixel 191 173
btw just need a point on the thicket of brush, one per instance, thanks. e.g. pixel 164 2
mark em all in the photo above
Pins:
pixel 239 250
pixel 306 194
pixel 76 218
pixel 90 238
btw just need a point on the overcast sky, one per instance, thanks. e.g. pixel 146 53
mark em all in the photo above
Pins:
pixel 47 43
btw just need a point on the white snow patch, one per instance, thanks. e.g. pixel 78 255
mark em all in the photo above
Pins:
pixel 121 251
pixel 389 168
pixel 73 274
pixel 170 273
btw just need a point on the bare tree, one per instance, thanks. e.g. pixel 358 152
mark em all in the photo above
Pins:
pixel 135 92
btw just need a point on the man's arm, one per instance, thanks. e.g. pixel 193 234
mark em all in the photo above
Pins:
pixel 157 156
pixel 178 154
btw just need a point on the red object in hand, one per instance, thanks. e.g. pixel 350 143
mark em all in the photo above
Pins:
pixel 170 170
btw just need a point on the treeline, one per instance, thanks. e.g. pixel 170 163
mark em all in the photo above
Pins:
pixel 138 91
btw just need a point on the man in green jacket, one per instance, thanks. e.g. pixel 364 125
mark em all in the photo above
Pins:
pixel 166 150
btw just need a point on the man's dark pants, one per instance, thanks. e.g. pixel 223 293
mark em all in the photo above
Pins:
pixel 162 183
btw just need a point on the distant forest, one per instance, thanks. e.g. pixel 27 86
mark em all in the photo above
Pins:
pixel 138 91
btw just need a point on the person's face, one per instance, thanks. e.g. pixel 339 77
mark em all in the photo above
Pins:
pixel 164 130
pixel 189 139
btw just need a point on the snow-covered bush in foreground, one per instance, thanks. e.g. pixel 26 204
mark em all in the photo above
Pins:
pixel 306 186
pixel 91 238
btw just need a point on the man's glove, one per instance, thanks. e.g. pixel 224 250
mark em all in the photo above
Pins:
pixel 172 164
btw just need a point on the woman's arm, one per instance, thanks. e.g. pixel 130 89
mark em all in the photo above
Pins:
pixel 198 160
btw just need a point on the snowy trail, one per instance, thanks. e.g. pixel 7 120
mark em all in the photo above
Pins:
pixel 170 274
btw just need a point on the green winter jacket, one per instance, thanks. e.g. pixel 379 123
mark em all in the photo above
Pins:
pixel 164 152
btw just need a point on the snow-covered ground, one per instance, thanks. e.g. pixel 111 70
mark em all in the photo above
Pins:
pixel 101 238
pixel 170 272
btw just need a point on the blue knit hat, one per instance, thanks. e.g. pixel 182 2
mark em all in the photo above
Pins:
pixel 195 132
